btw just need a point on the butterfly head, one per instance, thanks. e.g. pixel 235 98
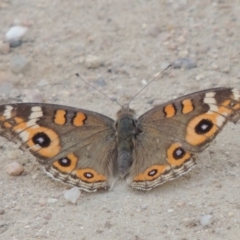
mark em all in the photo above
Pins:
pixel 126 111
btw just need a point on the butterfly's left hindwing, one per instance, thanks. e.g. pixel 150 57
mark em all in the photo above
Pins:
pixel 75 145
pixel 174 131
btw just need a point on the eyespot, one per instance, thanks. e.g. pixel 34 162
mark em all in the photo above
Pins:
pixel 64 162
pixel 178 153
pixel 41 139
pixel 203 126
pixel 152 173
pixel 88 175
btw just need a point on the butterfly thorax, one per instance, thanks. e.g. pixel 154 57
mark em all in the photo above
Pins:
pixel 126 130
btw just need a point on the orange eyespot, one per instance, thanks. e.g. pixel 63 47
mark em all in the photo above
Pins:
pixel 151 173
pixel 66 164
pixel 89 175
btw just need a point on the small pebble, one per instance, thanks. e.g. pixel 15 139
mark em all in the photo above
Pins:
pixel 172 46
pixel 144 82
pixel 186 63
pixel 170 210
pixel 19 64
pixel 14 169
pixel 15 34
pixel 206 220
pixel 214 66
pixel 72 195
pixel 183 54
pixel 181 39
pixel 154 31
pixel 42 82
pixel 226 70
pixel 93 61
pixel 181 204
pixel 101 82
pixel 144 207
pixel 65 93
pixel 4 47
pixel 35 175
pixel 42 202
pixel 52 200
pixel 199 77
pixel 230 214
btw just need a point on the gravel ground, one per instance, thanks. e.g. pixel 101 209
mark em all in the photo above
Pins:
pixel 118 46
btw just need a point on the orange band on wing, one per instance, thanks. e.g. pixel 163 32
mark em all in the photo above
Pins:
pixel 79 119
pixel 187 106
pixel 169 110
pixel 60 117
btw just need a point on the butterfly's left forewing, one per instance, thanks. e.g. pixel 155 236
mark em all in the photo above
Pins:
pixel 75 146
pixel 173 132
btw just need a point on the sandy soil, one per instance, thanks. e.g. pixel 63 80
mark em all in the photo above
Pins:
pixel 134 40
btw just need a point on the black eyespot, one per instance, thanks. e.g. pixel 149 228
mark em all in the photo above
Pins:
pixel 88 175
pixel 41 139
pixel 178 153
pixel 65 162
pixel 203 126
pixel 152 172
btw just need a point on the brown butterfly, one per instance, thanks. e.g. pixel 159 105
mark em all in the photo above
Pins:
pixel 89 150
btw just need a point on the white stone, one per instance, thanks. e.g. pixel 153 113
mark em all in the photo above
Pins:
pixel 72 195
pixel 144 82
pixel 15 33
pixel 14 169
pixel 206 220
pixel 92 61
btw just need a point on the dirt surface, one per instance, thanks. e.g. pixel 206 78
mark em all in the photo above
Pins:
pixel 133 41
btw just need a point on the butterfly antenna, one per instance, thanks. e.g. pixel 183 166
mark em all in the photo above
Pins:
pixel 90 85
pixel 159 74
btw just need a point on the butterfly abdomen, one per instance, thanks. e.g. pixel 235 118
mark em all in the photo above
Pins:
pixel 126 130
pixel 124 161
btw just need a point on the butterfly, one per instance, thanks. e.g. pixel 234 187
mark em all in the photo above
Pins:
pixel 89 150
